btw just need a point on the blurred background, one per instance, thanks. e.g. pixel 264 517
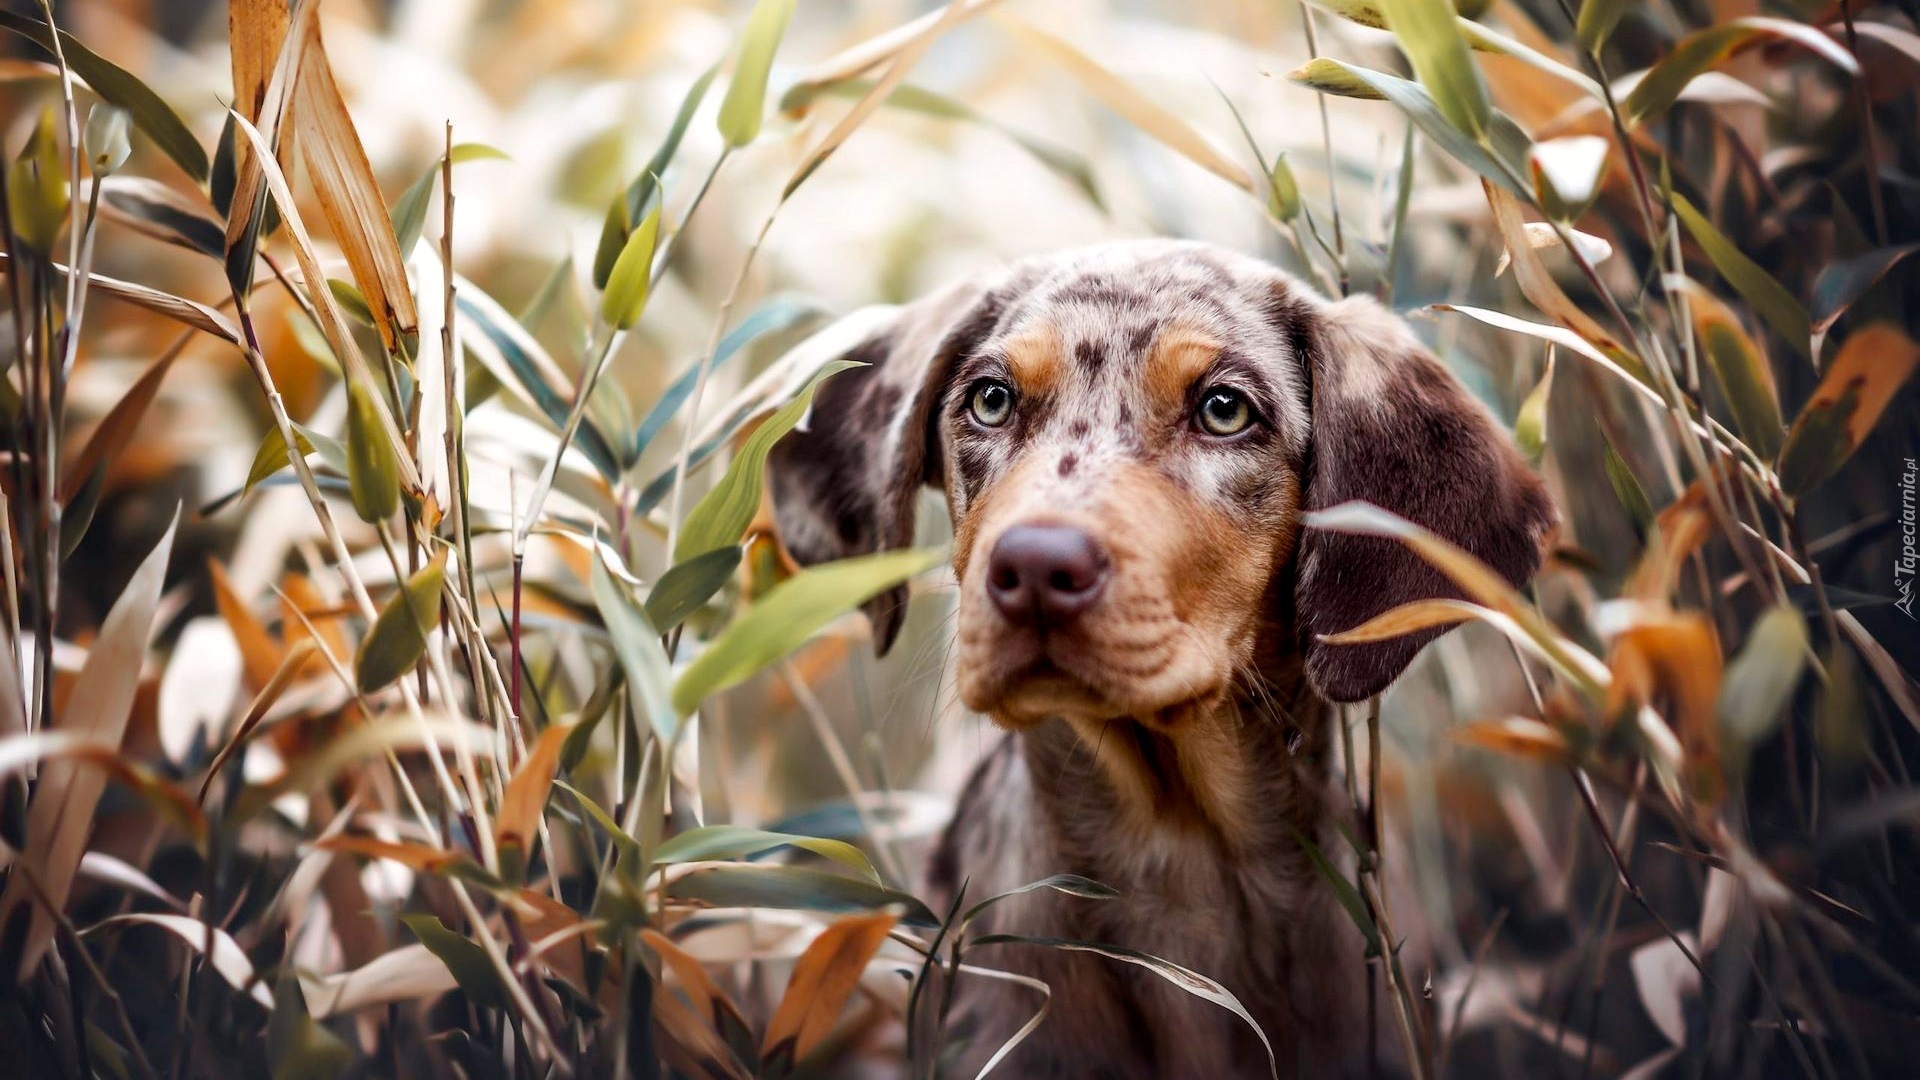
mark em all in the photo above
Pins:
pixel 1543 962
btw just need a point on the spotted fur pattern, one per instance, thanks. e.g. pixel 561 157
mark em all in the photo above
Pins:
pixel 1172 740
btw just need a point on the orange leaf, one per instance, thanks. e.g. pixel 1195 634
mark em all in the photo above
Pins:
pixel 526 794
pixel 709 1001
pixel 823 979
pixel 260 654
pixel 1671 663
pixel 1517 735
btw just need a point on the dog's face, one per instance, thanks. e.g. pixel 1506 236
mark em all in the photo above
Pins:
pixel 1127 437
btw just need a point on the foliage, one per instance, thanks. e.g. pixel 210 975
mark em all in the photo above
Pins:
pixel 488 773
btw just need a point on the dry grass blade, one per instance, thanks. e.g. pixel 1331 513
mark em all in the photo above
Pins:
pixel 256 30
pixel 179 309
pixel 1139 109
pixel 222 952
pixel 61 816
pixel 526 796
pixel 1534 278
pixel 270 692
pixel 349 196
pixel 332 323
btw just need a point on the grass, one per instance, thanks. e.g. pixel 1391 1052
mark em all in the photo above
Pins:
pixel 404 682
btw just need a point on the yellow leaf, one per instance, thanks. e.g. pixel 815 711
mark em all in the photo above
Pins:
pixel 526 794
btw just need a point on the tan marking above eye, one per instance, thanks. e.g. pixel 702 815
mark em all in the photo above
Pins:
pixel 1037 359
pixel 1179 356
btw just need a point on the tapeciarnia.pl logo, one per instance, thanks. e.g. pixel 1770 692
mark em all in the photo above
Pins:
pixel 1908 560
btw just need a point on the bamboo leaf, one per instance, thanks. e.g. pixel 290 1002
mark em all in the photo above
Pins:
pixel 683 589
pixel 1770 300
pixel 721 517
pixel 1071 884
pixel 1427 34
pixel 1596 22
pixel 223 953
pixel 118 87
pixel 1518 736
pixel 410 209
pixel 823 979
pixel 710 842
pixel 373 465
pixel 1845 281
pixel 1500 158
pixel 1761 678
pixel 632 276
pixel 630 205
pixel 1708 48
pixel 777 314
pixel 637 644
pixel 793 888
pixel 1530 423
pixel 525 798
pixel 744 107
pixel 298 1048
pixel 1873 363
pixel 1135 106
pixel 466 960
pixel 1738 365
pixel 37 189
pixel 399 635
pixel 1189 981
pixel 789 614
pixel 98 708
pixel 349 196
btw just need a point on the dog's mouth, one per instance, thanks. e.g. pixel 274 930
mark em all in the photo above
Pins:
pixel 1021 683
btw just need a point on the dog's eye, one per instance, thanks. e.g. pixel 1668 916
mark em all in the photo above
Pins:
pixel 991 402
pixel 1224 412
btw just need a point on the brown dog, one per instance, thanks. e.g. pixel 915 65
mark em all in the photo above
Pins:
pixel 1128 437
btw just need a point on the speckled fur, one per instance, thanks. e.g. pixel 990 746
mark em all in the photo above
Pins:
pixel 1173 742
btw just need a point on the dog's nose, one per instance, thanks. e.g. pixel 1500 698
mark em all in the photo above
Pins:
pixel 1045 574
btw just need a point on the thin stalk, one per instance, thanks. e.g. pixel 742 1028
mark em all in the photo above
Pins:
pixel 1326 140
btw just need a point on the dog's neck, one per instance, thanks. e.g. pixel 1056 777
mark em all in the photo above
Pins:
pixel 1245 771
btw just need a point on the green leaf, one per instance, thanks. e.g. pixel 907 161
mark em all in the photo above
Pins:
pixel 116 86
pixel 1503 156
pixel 1760 680
pixel 637 643
pixel 1530 424
pixel 1343 890
pixel 1769 299
pixel 409 212
pixel 1626 487
pixel 712 842
pixel 794 888
pixel 681 590
pixel 632 276
pixel 1283 191
pixel 1847 280
pixel 467 960
pixel 1596 22
pixel 630 205
pixel 1660 87
pixel 37 189
pixel 621 839
pixel 722 516
pixel 1428 35
pixel 789 614
pixel 297 1047
pixel 373 466
pixel 778 313
pixel 741 111
pixel 1071 884
pixel 1190 981
pixel 272 455
pixel 399 634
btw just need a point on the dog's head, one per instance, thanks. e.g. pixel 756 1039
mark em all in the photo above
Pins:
pixel 1127 437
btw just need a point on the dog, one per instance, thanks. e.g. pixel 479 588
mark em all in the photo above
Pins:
pixel 1128 437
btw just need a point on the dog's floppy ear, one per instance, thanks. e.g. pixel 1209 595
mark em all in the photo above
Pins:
pixel 1392 427
pixel 844 484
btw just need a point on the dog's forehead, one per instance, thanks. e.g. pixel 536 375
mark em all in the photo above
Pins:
pixel 1104 324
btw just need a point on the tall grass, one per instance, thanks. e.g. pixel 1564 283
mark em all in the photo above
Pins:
pixel 497 738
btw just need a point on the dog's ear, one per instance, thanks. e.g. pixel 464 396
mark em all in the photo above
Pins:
pixel 1392 427
pixel 844 483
